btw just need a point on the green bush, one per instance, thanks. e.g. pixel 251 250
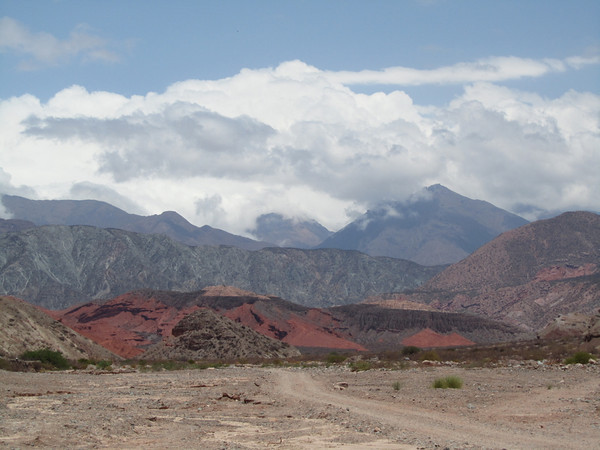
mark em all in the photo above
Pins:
pixel 450 382
pixel 396 386
pixel 579 358
pixel 104 365
pixel 47 357
pixel 335 358
pixel 410 350
pixel 4 364
pixel 359 366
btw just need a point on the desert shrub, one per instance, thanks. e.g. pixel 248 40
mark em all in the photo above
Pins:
pixel 359 366
pixel 50 358
pixel 104 365
pixel 396 385
pixel 579 358
pixel 430 355
pixel 450 382
pixel 335 358
pixel 410 350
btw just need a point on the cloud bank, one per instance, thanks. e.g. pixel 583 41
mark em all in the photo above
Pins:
pixel 297 140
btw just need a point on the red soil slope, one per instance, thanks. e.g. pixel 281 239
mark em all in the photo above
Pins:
pixel 428 338
pixel 124 325
pixel 300 331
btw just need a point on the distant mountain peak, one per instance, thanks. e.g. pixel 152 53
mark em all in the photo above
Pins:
pixel 433 226
pixel 289 231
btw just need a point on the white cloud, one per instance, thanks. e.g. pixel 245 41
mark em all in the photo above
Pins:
pixel 44 49
pixel 297 140
pixel 492 69
pixel 90 191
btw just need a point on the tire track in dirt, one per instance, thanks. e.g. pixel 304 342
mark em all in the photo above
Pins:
pixel 426 425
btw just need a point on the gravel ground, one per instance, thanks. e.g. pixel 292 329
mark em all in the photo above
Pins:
pixel 247 407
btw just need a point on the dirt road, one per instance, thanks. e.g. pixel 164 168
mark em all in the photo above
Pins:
pixel 289 408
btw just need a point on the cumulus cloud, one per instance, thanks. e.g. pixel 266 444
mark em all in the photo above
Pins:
pixel 43 49
pixel 299 141
pixel 7 187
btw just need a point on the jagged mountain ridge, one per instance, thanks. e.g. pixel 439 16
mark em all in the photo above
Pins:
pixel 59 266
pixel 527 276
pixel 103 215
pixel 436 226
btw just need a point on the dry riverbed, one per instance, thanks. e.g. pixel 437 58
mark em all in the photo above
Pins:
pixel 522 406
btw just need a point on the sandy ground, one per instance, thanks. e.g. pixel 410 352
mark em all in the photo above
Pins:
pixel 524 406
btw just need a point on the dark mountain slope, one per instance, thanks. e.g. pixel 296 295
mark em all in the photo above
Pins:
pixel 103 215
pixel 436 226
pixel 8 225
pixel 59 266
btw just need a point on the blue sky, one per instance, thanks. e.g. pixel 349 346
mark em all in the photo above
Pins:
pixel 158 43
pixel 226 110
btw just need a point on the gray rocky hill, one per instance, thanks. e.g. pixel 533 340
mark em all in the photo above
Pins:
pixel 60 266
pixel 204 334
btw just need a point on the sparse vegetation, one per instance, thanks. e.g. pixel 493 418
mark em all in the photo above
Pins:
pixel 579 358
pixel 396 385
pixel 50 359
pixel 360 365
pixel 430 355
pixel 410 350
pixel 335 358
pixel 104 365
pixel 449 382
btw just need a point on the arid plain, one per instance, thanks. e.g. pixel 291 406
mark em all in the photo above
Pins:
pixel 517 405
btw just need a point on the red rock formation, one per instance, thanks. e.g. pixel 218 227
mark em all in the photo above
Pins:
pixel 130 323
pixel 428 338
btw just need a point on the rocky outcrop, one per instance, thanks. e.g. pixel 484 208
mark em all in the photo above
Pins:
pixel 583 326
pixel 205 334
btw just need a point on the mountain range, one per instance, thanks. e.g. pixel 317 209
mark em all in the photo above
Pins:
pixel 435 226
pixel 103 215
pixel 127 290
